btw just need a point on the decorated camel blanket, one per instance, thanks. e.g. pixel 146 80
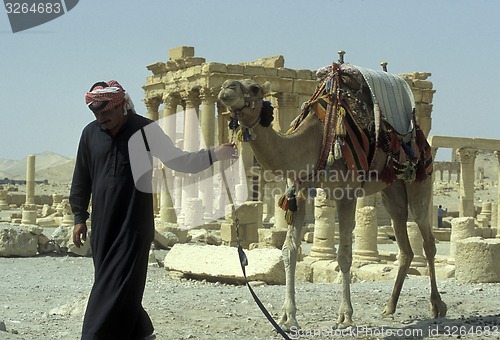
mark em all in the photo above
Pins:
pixel 366 111
pixel 392 98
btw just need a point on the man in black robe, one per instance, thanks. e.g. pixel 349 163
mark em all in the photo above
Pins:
pixel 122 217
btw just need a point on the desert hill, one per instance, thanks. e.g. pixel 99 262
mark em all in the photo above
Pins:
pixel 49 166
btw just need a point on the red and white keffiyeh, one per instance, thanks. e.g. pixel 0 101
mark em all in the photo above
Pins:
pixel 106 95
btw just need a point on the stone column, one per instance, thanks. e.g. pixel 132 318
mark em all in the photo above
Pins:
pixel 416 243
pixel 323 247
pixel 30 179
pixel 279 214
pixel 207 121
pixel 191 144
pixel 467 157
pixel 365 236
pixel 168 124
pixel 497 206
pixel 3 199
pixel 152 105
pixel 433 215
pixel 286 106
pixel 461 228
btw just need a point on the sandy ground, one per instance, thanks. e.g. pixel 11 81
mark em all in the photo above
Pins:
pixel 43 297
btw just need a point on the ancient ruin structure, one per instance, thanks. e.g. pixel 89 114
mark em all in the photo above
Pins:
pixel 466 150
pixel 185 82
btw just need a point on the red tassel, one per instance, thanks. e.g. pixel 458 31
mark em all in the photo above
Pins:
pixel 282 202
pixel 388 175
pixel 421 140
pixel 395 144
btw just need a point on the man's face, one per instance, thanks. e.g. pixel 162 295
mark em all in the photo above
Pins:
pixel 112 118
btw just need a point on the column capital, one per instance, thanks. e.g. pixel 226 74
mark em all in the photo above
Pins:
pixel 191 98
pixel 208 94
pixel 171 99
pixel 152 103
pixel 467 155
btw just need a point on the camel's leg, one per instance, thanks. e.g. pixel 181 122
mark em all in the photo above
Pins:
pixel 395 201
pixel 419 195
pixel 346 211
pixel 290 252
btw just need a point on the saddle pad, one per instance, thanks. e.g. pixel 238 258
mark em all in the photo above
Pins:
pixel 392 98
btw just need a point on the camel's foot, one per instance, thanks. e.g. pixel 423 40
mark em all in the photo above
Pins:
pixel 438 309
pixel 388 311
pixel 288 323
pixel 344 320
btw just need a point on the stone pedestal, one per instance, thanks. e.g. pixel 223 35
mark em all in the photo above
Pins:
pixel 477 260
pixel 193 216
pixel 249 217
pixel 29 214
pixel 323 247
pixel 365 236
pixel 485 212
pixel 56 200
pixel 461 228
pixel 68 219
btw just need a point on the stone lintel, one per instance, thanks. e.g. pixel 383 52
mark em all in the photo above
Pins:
pixel 460 142
pixel 157 68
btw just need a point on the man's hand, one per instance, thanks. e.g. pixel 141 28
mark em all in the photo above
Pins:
pixel 79 234
pixel 225 151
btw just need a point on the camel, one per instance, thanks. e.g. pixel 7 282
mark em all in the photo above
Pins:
pixel 298 151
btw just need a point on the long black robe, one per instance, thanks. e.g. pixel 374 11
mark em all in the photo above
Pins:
pixel 122 225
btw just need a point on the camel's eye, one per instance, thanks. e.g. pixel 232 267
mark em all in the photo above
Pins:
pixel 254 89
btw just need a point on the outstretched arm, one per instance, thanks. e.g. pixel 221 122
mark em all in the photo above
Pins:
pixel 162 147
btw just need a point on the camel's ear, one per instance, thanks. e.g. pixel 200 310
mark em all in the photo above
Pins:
pixel 266 87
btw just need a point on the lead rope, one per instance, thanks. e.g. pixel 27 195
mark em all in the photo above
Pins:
pixel 243 258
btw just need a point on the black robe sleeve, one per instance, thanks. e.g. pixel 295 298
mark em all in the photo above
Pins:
pixel 81 186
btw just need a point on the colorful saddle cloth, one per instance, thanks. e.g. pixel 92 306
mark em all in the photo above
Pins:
pixel 364 111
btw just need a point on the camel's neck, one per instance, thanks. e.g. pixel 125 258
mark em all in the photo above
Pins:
pixel 292 154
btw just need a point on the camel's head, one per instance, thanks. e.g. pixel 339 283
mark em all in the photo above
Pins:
pixel 245 101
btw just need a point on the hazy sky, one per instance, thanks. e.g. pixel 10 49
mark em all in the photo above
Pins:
pixel 45 71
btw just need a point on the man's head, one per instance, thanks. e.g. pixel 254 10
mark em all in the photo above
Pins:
pixel 109 103
pixel 104 96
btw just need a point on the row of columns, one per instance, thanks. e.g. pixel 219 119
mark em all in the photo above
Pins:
pixel 466 157
pixel 199 112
